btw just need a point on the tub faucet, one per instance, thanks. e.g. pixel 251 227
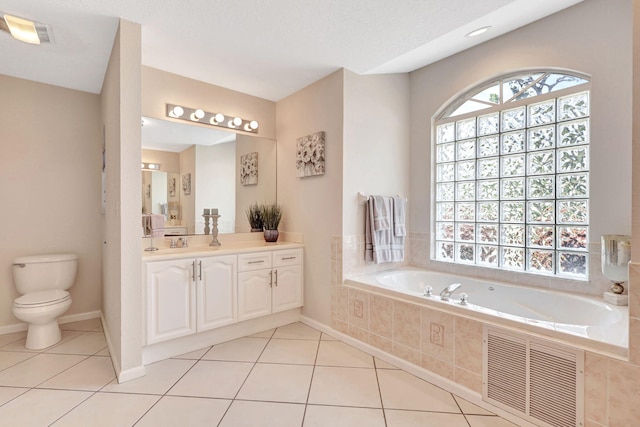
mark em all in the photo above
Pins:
pixel 446 292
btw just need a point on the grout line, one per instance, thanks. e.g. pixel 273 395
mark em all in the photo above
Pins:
pixel 384 413
pixel 313 371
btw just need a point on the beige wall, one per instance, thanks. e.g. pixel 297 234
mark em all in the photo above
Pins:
pixel 215 185
pixel 169 161
pixel 160 88
pixel 313 205
pixel 122 290
pixel 50 169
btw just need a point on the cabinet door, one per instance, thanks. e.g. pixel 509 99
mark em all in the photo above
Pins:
pixel 171 297
pixel 216 291
pixel 254 294
pixel 287 288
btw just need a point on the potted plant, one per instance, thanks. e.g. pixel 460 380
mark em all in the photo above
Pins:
pixel 254 215
pixel 271 216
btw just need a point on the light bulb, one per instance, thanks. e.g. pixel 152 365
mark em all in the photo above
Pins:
pixel 253 125
pixel 199 113
pixel 177 111
pixel 237 121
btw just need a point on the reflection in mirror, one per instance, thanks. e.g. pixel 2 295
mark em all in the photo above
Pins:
pixel 204 168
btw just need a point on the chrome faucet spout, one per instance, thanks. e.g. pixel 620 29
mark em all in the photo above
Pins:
pixel 446 292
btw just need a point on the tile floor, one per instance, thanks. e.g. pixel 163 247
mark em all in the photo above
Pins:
pixel 290 376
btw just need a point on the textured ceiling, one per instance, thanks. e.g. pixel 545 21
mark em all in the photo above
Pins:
pixel 268 49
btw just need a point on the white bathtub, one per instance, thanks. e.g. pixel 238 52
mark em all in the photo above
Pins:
pixel 589 320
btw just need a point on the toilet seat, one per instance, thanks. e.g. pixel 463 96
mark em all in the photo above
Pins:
pixel 42 299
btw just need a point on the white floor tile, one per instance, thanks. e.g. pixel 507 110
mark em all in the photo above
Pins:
pixel 12 337
pixel 381 364
pixel 10 358
pixel 173 411
pixel 103 352
pixel 300 352
pixel 263 334
pixel 297 331
pixel 38 369
pixel 40 407
pixel 19 345
pixel 326 337
pixel 277 383
pixel 397 418
pixel 212 379
pixel 8 393
pixel 193 355
pixel 488 421
pixel 469 408
pixel 240 350
pixel 345 387
pixel 159 378
pixel 335 416
pixel 89 325
pixel 91 374
pixel 336 353
pixel 87 343
pixel 263 414
pixel 401 390
pixel 108 410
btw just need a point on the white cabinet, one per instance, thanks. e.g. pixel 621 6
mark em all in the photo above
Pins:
pixel 186 296
pixel 269 282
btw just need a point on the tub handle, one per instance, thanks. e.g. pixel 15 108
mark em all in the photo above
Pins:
pixel 464 298
pixel 428 291
pixel 20 265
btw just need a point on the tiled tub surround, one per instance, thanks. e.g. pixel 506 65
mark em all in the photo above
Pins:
pixel 452 348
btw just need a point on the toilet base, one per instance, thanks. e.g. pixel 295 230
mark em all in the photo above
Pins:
pixel 43 335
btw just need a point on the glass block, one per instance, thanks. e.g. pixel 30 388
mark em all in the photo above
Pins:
pixel 573 264
pixel 489 124
pixel 542 113
pixel 488 233
pixel 512 211
pixel 445 172
pixel 466 149
pixel 573 159
pixel 572 237
pixel 445 153
pixel 465 253
pixel 513 188
pixel 488 255
pixel 573 186
pixel 540 236
pixel 488 211
pixel 513 142
pixel 465 170
pixel 488 190
pixel 513 165
pixel 541 162
pixel 488 146
pixel 542 138
pixel 540 212
pixel 466 129
pixel 465 232
pixel 488 168
pixel 513 258
pixel 445 133
pixel 513 119
pixel 465 212
pixel 466 190
pixel 540 187
pixel 540 261
pixel 573 106
pixel 444 251
pixel 444 231
pixel 511 234
pixel 445 212
pixel 444 192
pixel 573 211
pixel 573 133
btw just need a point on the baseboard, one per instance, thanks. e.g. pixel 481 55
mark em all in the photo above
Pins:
pixel 21 326
pixel 131 374
pixel 433 378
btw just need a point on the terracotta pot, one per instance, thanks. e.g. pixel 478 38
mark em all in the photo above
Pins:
pixel 271 235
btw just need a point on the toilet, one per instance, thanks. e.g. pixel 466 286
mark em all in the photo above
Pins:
pixel 43 281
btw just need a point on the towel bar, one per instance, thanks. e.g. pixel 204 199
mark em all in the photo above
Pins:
pixel 362 198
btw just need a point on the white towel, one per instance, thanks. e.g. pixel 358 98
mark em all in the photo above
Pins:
pixel 157 225
pixel 381 245
pixel 399 209
pixel 381 213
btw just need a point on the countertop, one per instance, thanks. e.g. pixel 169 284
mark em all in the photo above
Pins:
pixel 195 251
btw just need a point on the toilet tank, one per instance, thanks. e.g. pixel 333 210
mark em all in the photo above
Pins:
pixel 44 272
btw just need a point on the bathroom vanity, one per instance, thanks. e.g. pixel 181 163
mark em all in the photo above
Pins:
pixel 199 296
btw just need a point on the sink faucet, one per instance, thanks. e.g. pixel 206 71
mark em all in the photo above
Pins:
pixel 446 292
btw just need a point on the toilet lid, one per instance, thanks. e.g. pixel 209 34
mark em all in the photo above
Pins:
pixel 42 298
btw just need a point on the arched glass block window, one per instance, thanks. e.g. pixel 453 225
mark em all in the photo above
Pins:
pixel 511 163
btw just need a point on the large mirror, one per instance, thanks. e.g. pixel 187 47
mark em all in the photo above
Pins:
pixel 204 168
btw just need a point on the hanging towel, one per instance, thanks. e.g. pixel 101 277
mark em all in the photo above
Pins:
pixel 381 213
pixel 381 245
pixel 146 225
pixel 157 225
pixel 399 209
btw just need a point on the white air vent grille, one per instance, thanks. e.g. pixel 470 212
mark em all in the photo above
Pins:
pixel 539 381
pixel 44 33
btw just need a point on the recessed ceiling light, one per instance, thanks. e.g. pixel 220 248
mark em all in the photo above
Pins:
pixel 25 30
pixel 477 32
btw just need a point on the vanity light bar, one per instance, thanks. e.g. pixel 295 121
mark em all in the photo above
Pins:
pixel 198 115
pixel 150 166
